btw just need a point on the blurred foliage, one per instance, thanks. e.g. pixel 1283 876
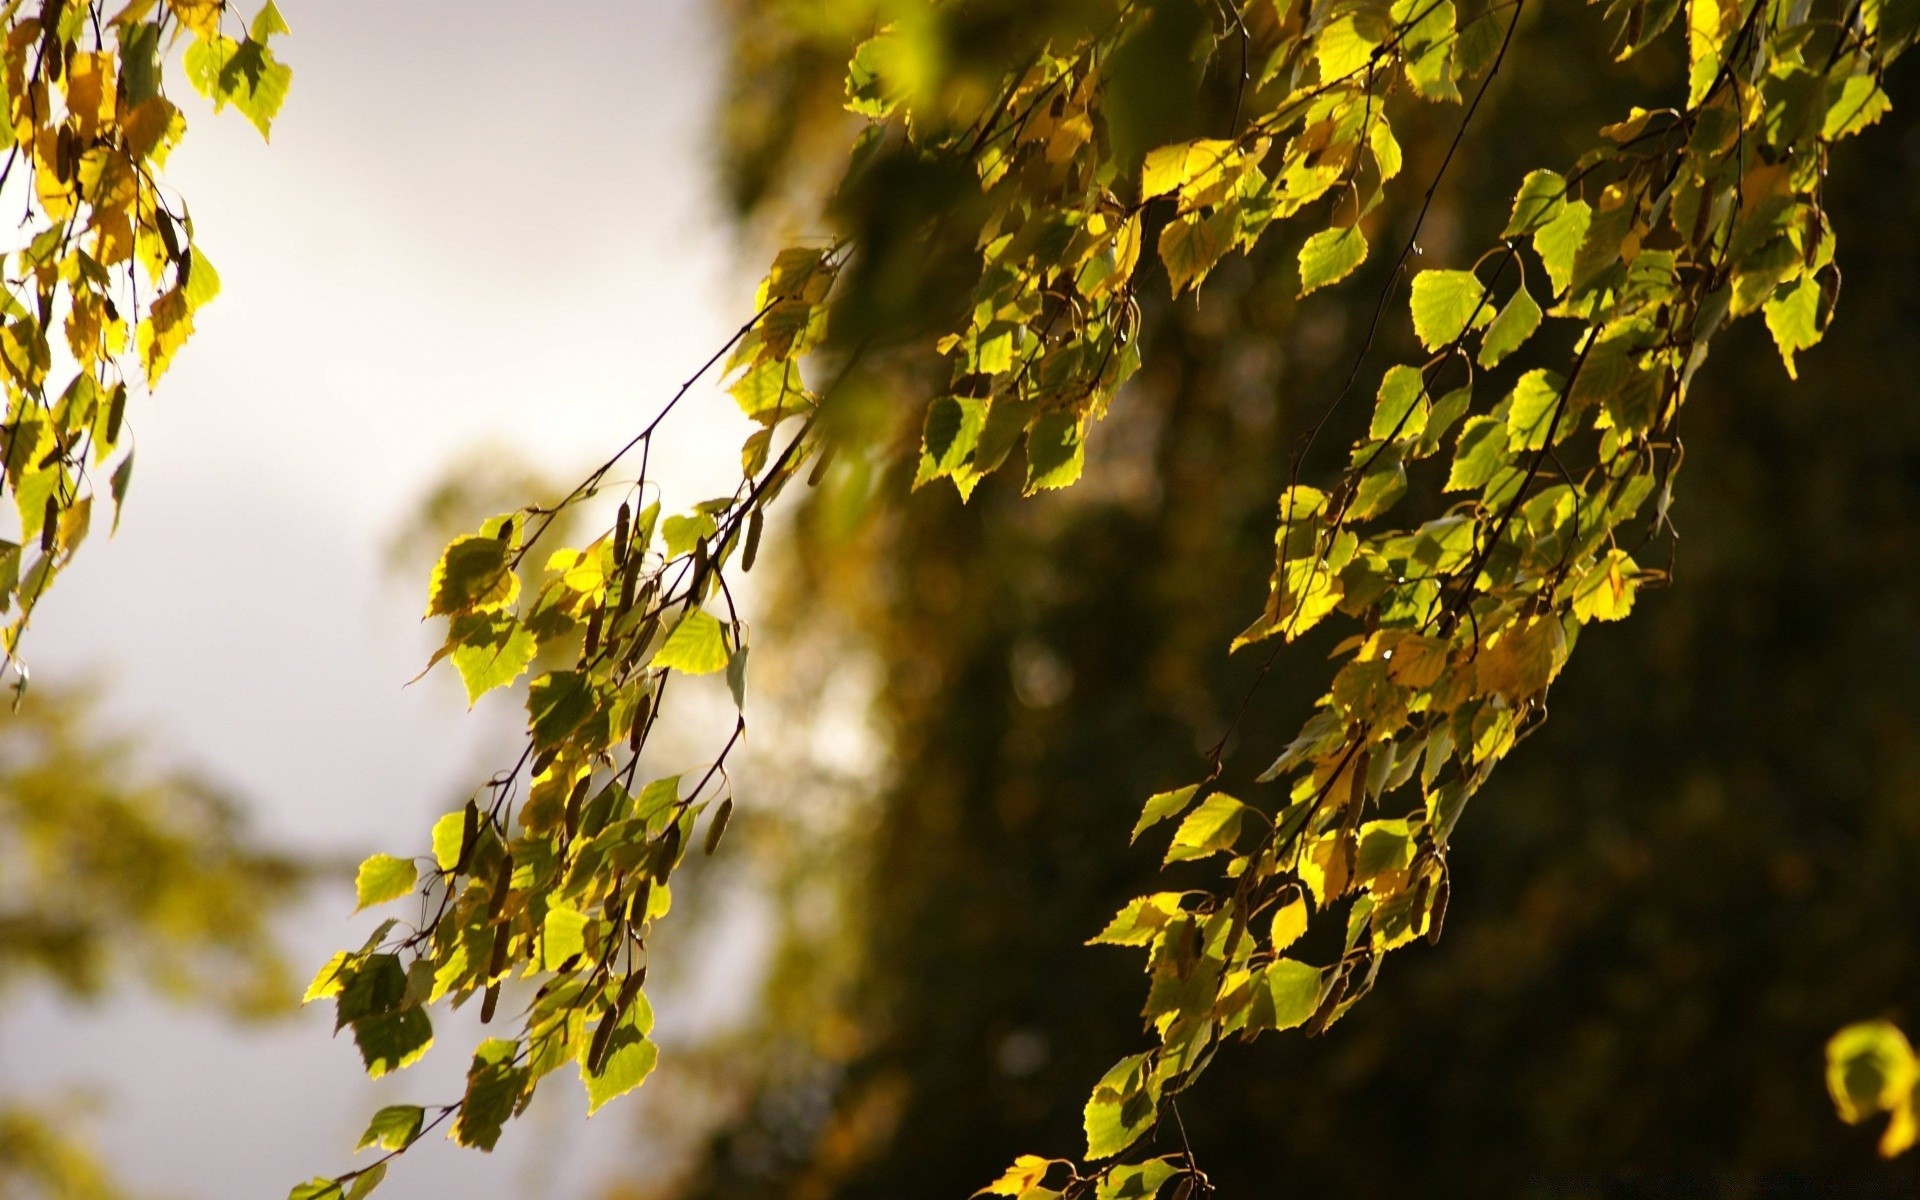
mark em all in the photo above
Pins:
pixel 108 869
pixel 111 872
pixel 1663 907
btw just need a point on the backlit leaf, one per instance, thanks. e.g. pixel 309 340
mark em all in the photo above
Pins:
pixel 697 645
pixel 384 877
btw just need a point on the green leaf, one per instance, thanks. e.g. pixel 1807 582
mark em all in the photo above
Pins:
pixel 1381 486
pixel 1209 829
pixel 1793 318
pixel 472 576
pixel 1511 329
pixel 1397 412
pixel 1191 245
pixel 558 702
pixel 449 838
pixel 1140 920
pixel 490 650
pixel 1296 989
pixel 384 877
pixel 243 74
pixel 562 935
pixel 494 1088
pixel 318 1188
pixel 367 1180
pixel 1860 103
pixel 1427 36
pixel 697 645
pixel 1558 241
pixel 1122 1107
pixel 1536 398
pixel 1160 807
pixel 117 486
pixel 1542 197
pixel 1605 591
pixel 1170 168
pixel 393 1041
pixel 628 1060
pixel 1136 1181
pixel 1445 305
pixel 1481 452
pixel 393 1128
pixel 681 532
pixel 1056 451
pixel 1330 256
pixel 737 677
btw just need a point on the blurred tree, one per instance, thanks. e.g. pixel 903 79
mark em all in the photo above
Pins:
pixel 109 871
pixel 1698 870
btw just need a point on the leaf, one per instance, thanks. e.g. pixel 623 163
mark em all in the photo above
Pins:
pixel 1542 197
pixel 244 74
pixel 1870 1068
pixel 449 838
pixel 1859 103
pixel 558 703
pixel 697 645
pixel 326 981
pixel 628 1060
pixel 1161 806
pixel 393 1128
pixel 737 677
pixel 1170 168
pixel 472 576
pixel 490 650
pixel 393 1041
pixel 1140 920
pixel 1135 1181
pixel 366 1181
pixel 1793 318
pixel 1397 412
pixel 1511 329
pixel 1192 244
pixel 1482 451
pixel 1445 305
pixel 1056 451
pixel 1296 989
pixel 1121 1108
pixel 319 1188
pixel 562 935
pixel 1289 922
pixel 117 486
pixel 1209 829
pixel 494 1088
pixel 382 878
pixel 1536 401
pixel 1605 591
pixel 1027 1172
pixel 1558 241
pixel 1330 256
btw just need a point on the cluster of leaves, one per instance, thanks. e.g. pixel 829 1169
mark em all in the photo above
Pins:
pixel 560 865
pixel 1561 435
pixel 103 276
pixel 1681 219
pixel 1871 1069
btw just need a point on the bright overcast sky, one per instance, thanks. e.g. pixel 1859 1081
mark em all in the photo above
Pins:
pixel 478 220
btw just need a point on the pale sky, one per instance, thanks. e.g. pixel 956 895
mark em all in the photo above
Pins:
pixel 477 221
